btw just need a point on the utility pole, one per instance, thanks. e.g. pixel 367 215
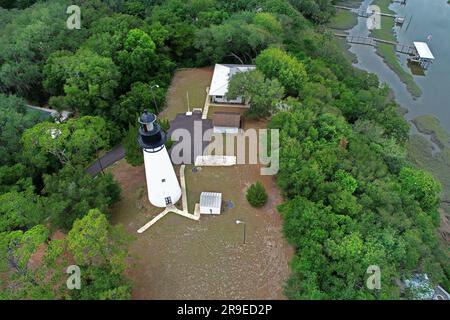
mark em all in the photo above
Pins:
pixel 153 94
pixel 187 96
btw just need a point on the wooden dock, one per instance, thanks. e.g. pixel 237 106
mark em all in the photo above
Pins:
pixel 405 49
pixel 364 12
pixel 361 40
pixel 370 41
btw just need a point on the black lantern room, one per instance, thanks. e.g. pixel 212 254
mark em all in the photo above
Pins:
pixel 150 134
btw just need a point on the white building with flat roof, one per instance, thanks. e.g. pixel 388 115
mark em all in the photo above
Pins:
pixel 221 79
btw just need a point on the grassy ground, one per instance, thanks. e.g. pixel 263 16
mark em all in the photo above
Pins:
pixel 178 258
pixel 430 125
pixel 193 81
pixel 343 20
pixel 387 52
pixel 345 46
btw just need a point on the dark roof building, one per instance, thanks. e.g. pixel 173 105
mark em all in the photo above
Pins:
pixel 227 119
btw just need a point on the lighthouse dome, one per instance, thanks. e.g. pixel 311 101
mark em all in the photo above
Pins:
pixel 151 137
pixel 147 117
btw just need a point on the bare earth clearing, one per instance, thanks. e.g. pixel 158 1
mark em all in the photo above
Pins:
pixel 178 258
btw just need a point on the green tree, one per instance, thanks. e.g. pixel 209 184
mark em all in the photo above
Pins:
pixel 275 63
pixel 16 247
pixel 264 94
pixel 71 193
pixel 75 141
pixel 257 195
pixel 242 37
pixel 35 266
pixel 101 250
pixel 133 152
pixel 20 210
pixel 17 177
pixel 422 186
pixel 88 80
pixel 268 22
pixel 320 11
pixel 28 40
pixel 137 59
pixel 93 241
pixel 108 34
pixel 15 119
pixel 141 96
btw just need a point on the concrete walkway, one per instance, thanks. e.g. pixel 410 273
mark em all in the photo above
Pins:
pixel 172 208
pixel 206 105
pixel 183 189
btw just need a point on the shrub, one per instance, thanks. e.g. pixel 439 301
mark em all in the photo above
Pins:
pixel 257 195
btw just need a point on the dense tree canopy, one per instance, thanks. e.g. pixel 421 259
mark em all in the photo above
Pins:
pixel 14 120
pixel 88 80
pixel 99 249
pixel 347 211
pixel 241 37
pixel 351 197
pixel 137 57
pixel 140 97
pixel 319 11
pixel 72 192
pixel 275 63
pixel 75 141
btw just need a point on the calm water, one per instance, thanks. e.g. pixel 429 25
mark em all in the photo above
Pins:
pixel 428 17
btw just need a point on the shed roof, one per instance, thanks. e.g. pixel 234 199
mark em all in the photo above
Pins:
pixel 211 199
pixel 222 75
pixel 227 119
pixel 423 50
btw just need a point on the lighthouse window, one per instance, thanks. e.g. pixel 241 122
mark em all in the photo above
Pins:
pixel 149 127
pixel 163 180
pixel 168 200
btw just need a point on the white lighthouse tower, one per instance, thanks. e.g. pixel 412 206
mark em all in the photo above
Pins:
pixel 162 184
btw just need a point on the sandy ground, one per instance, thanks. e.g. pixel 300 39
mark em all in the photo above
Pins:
pixel 182 259
pixel 187 82
pixel 178 258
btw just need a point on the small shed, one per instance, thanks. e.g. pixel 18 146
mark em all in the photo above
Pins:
pixel 210 203
pixel 227 122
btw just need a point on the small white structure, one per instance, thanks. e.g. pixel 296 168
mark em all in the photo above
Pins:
pixel 215 161
pixel 423 54
pixel 210 203
pixel 221 79
pixel 399 20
